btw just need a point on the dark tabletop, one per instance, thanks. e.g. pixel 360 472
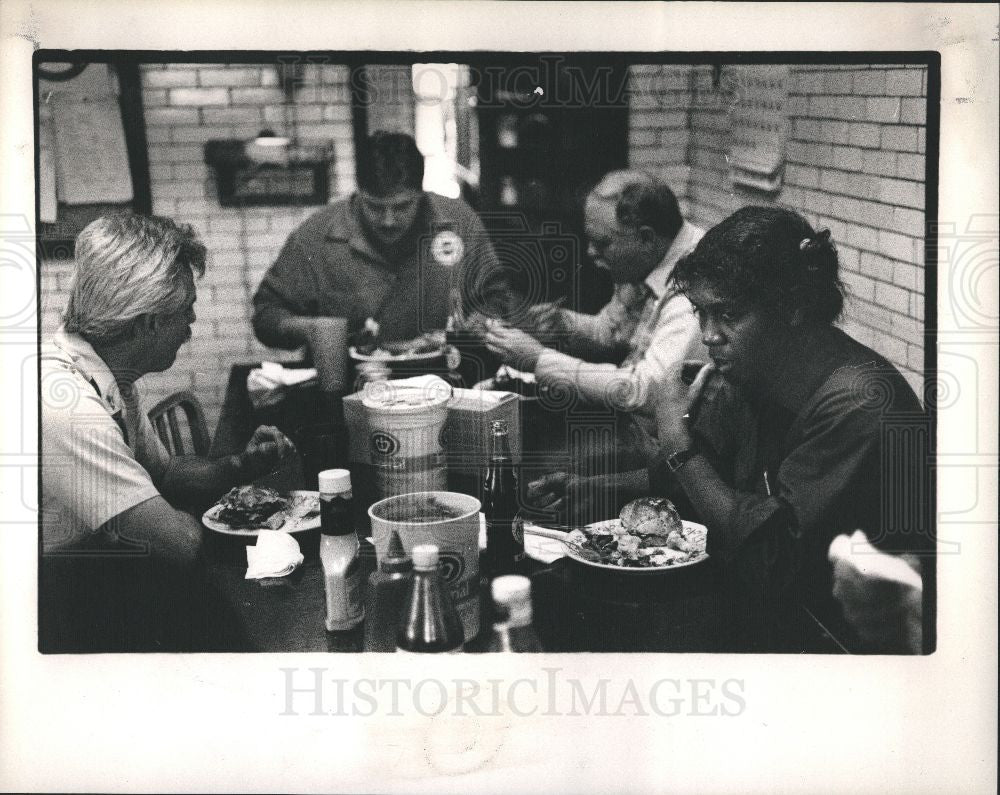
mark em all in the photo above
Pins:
pixel 576 608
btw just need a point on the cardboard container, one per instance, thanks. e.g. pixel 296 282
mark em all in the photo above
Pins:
pixel 466 438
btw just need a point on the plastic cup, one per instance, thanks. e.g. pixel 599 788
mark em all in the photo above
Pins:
pixel 448 520
pixel 328 346
pixel 406 444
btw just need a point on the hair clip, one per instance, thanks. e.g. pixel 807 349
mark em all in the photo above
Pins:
pixel 807 243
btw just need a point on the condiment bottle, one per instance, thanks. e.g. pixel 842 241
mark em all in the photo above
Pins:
pixel 338 551
pixel 503 548
pixel 512 630
pixel 385 597
pixel 430 621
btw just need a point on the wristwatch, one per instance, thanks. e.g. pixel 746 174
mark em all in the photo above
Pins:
pixel 676 460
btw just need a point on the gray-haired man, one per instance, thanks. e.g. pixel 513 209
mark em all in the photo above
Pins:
pixel 107 481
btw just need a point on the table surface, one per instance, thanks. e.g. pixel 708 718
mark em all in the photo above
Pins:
pixel 576 608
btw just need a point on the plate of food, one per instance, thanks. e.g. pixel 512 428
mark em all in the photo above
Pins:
pixel 371 348
pixel 648 536
pixel 246 510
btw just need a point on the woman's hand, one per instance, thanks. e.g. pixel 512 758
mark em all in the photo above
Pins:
pixel 515 347
pixel 677 403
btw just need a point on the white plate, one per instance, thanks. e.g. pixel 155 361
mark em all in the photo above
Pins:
pixel 693 532
pixel 292 524
pixel 385 356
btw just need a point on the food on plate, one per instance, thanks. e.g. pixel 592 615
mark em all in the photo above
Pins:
pixel 252 508
pixel 651 515
pixel 369 343
pixel 648 533
pixel 303 505
pixel 366 341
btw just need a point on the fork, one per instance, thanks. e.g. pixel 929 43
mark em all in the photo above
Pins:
pixel 562 538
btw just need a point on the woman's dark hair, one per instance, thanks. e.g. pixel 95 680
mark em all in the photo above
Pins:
pixel 770 258
pixel 390 163
pixel 650 204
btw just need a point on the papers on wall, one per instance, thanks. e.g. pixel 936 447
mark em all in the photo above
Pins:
pixel 759 124
pixel 91 157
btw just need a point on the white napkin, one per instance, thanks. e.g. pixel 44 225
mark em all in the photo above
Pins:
pixel 268 383
pixel 276 554
pixel 858 552
pixel 544 550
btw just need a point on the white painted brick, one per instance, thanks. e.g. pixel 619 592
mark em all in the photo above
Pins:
pixel 837 83
pixel 859 285
pixel 896 246
pixel 900 138
pixel 202 133
pixel 915 357
pixel 892 297
pixel 171 116
pixel 879 161
pixel 876 266
pixel 870 82
pixel 241 115
pixel 901 192
pixel 867 135
pixel 158 135
pixel 169 78
pixel 907 276
pixel 907 221
pixel 152 98
pixel 882 109
pixel 904 82
pixel 914 111
pixel 183 189
pixel 200 96
pixel 911 166
pixel 195 173
pixel 235 77
pixel 257 96
pixel 171 153
pixel 893 349
pixel 836 132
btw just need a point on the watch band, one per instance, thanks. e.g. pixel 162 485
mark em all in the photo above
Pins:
pixel 679 459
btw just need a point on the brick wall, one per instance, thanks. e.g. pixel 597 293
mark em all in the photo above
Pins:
pixel 855 164
pixel 659 137
pixel 185 106
pixel 391 99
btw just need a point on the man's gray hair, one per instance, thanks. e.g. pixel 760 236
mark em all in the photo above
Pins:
pixel 612 185
pixel 126 266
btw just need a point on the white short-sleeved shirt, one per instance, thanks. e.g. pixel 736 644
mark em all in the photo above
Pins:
pixel 100 453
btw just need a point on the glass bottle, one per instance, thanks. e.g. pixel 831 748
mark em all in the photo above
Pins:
pixel 512 630
pixel 504 550
pixel 338 551
pixel 388 588
pixel 430 621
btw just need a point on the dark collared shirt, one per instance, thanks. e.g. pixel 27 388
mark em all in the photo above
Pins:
pixel 328 268
pixel 856 455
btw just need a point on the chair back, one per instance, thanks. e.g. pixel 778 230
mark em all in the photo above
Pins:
pixel 166 418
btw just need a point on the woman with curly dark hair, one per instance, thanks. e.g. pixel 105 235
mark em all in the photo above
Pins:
pixel 796 432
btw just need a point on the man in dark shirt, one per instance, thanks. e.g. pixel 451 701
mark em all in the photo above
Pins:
pixel 390 252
